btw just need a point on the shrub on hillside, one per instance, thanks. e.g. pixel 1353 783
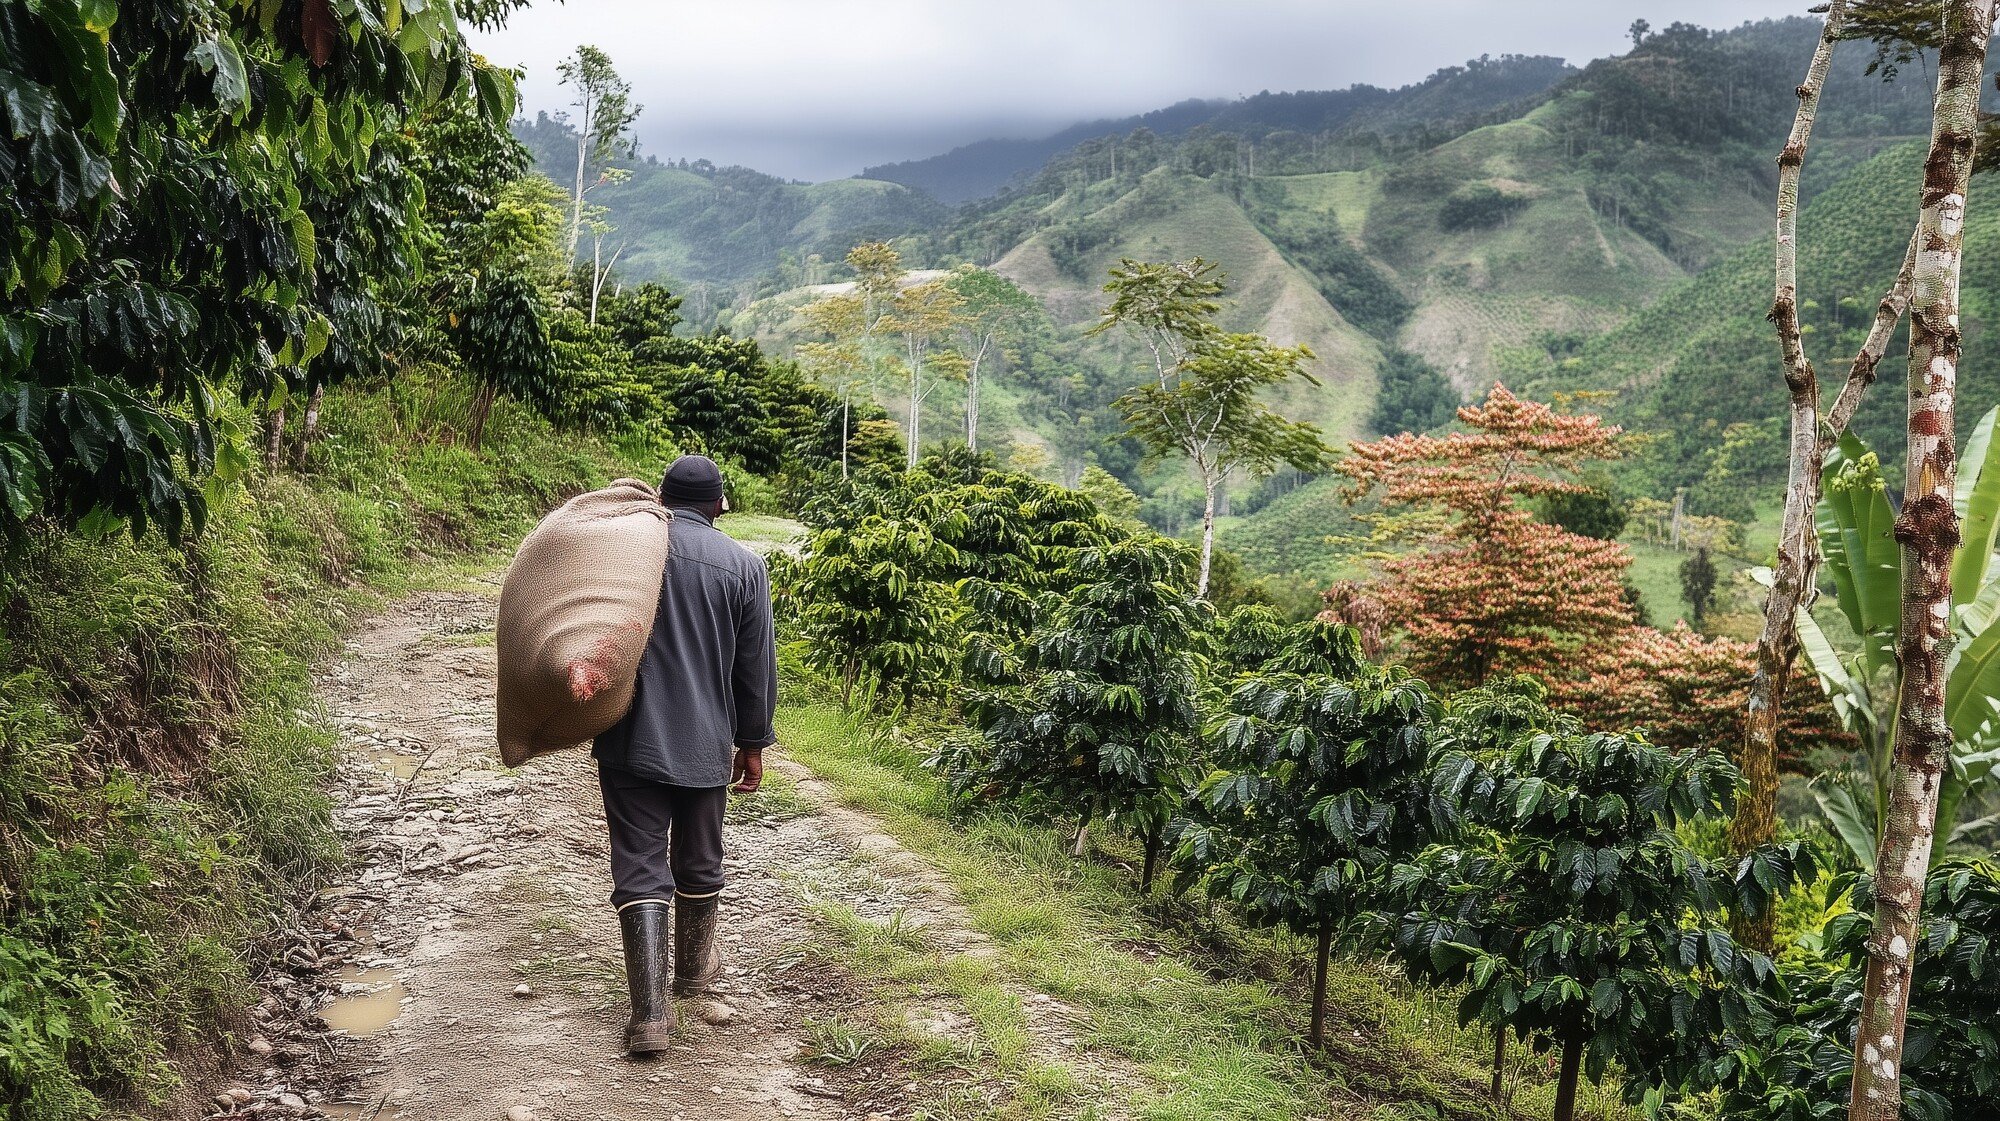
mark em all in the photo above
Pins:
pixel 1098 722
pixel 1478 206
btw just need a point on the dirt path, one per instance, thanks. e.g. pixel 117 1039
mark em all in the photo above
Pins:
pixel 471 968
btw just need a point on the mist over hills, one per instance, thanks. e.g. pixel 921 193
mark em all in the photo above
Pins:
pixel 977 170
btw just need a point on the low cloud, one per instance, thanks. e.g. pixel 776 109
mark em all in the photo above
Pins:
pixel 818 89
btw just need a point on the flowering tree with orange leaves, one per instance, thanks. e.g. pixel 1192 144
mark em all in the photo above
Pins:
pixel 1687 690
pixel 1492 589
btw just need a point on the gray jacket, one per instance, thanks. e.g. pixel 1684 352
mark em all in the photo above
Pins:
pixel 708 682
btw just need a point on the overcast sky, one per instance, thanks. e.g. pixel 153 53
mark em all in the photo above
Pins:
pixel 818 89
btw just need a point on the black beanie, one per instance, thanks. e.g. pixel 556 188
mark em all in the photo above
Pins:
pixel 694 479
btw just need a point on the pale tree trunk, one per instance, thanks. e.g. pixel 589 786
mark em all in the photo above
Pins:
pixel 274 438
pixel 1209 483
pixel 972 409
pixel 1927 528
pixel 972 396
pixel 1798 545
pixel 916 415
pixel 596 275
pixel 600 271
pixel 576 195
pixel 309 429
pixel 844 399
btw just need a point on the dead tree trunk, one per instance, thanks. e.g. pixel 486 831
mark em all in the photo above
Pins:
pixel 1798 548
pixel 1927 529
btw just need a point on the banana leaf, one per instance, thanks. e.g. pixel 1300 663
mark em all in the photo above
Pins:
pixel 1977 500
pixel 1856 532
pixel 1966 772
pixel 1976 616
pixel 1972 688
pixel 1852 700
pixel 1851 815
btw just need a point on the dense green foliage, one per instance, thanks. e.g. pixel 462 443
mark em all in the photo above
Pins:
pixel 1702 359
pixel 1581 920
pixel 1320 787
pixel 1411 396
pixel 1800 1070
pixel 1099 717
pixel 203 201
pixel 909 576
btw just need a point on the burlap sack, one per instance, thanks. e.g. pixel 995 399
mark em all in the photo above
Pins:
pixel 575 612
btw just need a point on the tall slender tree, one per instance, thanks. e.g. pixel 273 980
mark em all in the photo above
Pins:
pixel 1204 401
pixel 995 310
pixel 924 315
pixel 1792 586
pixel 1928 531
pixel 603 123
pixel 854 321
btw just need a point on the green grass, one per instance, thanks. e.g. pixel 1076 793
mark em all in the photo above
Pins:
pixel 1656 572
pixel 1183 1002
pixel 163 787
pixel 763 532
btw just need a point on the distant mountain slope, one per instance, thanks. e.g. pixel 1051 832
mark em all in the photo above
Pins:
pixel 978 170
pixel 975 170
pixel 694 222
pixel 1703 357
pixel 1172 215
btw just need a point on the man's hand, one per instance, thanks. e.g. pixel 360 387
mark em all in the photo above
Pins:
pixel 748 774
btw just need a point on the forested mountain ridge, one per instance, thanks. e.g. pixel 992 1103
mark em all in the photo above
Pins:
pixel 986 167
pixel 1698 367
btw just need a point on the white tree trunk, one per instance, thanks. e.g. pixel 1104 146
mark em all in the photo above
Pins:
pixel 576 196
pixel 916 414
pixel 1798 543
pixel 1927 528
pixel 1209 483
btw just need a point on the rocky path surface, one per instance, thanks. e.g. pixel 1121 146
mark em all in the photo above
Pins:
pixel 470 967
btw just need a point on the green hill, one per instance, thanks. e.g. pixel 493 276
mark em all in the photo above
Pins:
pixel 1176 215
pixel 1520 220
pixel 1703 357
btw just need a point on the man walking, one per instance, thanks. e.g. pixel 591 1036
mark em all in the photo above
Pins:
pixel 700 719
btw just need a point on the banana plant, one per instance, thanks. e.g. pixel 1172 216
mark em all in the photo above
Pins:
pixel 1856 531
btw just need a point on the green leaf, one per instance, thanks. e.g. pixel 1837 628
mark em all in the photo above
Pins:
pixel 1856 530
pixel 99 16
pixel 1977 501
pixel 219 58
pixel 1852 817
pixel 318 330
pixel 1526 796
pixel 1852 701
pixel 1449 956
pixel 1972 690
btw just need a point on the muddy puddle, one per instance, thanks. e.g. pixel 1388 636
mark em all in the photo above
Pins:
pixel 370 1000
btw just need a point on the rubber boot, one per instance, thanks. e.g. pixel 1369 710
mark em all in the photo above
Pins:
pixel 644 926
pixel 697 959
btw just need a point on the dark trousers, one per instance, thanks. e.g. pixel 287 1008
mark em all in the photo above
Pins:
pixel 663 838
